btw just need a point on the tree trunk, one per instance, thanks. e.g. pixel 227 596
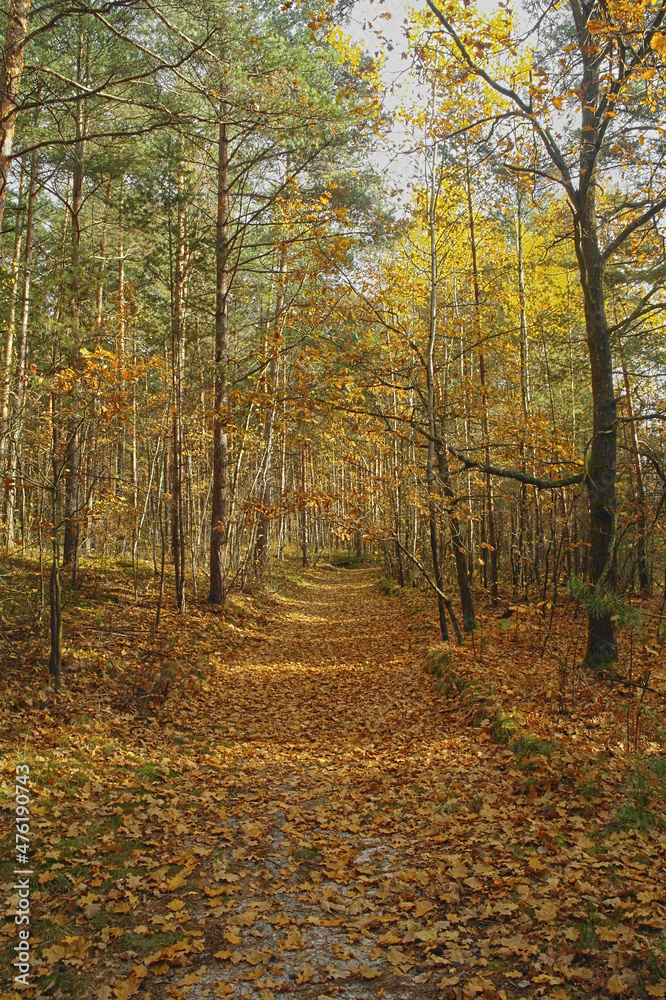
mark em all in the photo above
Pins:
pixel 219 527
pixel 430 383
pixel 521 581
pixel 21 350
pixel 11 70
pixel 305 541
pixel 120 341
pixel 6 387
pixel 55 659
pixel 643 574
pixel 490 540
pixel 601 467
pixel 459 552
pixel 71 541
pixel 269 416
pixel 99 295
pixel 178 369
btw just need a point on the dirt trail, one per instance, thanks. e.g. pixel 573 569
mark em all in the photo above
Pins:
pixel 341 764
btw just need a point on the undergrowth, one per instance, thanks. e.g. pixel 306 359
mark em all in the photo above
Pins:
pixel 644 790
pixel 505 727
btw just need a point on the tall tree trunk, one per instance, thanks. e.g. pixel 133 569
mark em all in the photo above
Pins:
pixel 73 458
pixel 521 582
pixel 120 341
pixel 601 467
pixel 55 659
pixel 6 386
pixel 178 367
pixel 263 536
pixel 21 350
pixel 305 539
pixel 491 550
pixel 643 574
pixel 99 295
pixel 459 552
pixel 219 526
pixel 11 69
pixel 430 383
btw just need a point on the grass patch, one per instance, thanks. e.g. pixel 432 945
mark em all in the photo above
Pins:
pixel 150 771
pixel 644 790
pixel 147 943
pixel 528 745
pixel 307 854
pixel 388 586
pixel 450 808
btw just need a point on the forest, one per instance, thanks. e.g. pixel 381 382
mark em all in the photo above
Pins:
pixel 333 499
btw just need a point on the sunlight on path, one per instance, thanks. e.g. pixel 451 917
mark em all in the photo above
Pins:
pixel 341 791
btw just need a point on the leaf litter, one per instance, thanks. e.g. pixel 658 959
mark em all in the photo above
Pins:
pixel 299 813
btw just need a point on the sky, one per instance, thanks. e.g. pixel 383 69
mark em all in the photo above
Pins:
pixel 366 11
pixel 365 21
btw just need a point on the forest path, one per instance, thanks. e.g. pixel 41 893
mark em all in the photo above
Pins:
pixel 344 793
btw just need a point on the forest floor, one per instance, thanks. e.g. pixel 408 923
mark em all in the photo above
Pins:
pixel 281 802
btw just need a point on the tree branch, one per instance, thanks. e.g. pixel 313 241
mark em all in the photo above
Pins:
pixel 631 227
pixel 520 477
pixel 440 593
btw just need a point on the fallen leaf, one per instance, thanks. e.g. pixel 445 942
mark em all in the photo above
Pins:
pixel 546 913
pixel 366 971
pixel 305 974
pixel 292 942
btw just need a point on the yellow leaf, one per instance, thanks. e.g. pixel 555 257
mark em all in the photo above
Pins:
pixel 256 957
pixel 337 973
pixel 658 42
pixel 53 954
pixel 547 913
pixel 305 973
pixel 293 940
pixel 191 979
pixel 367 971
pixel 607 934
pixel 160 968
pixel 128 988
pixel 398 959
pixel 422 907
